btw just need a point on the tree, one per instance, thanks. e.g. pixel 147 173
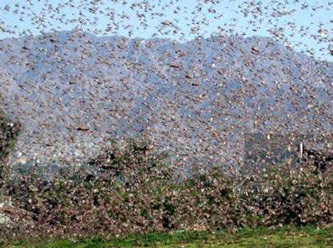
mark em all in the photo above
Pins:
pixel 8 134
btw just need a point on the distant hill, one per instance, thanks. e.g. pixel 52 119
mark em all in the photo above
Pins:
pixel 73 90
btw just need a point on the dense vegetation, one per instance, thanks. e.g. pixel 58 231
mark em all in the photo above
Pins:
pixel 129 188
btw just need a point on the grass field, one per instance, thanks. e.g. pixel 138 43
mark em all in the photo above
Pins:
pixel 259 237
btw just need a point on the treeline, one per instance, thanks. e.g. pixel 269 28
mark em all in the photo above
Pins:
pixel 130 188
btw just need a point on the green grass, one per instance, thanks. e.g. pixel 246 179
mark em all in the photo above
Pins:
pixel 258 237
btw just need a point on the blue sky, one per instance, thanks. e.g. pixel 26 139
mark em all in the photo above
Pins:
pixel 146 19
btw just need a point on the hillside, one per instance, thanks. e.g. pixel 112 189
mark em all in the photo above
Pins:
pixel 72 91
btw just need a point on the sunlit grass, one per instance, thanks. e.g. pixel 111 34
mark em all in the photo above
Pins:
pixel 257 237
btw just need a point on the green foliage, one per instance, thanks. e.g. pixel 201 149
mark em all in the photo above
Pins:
pixel 258 237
